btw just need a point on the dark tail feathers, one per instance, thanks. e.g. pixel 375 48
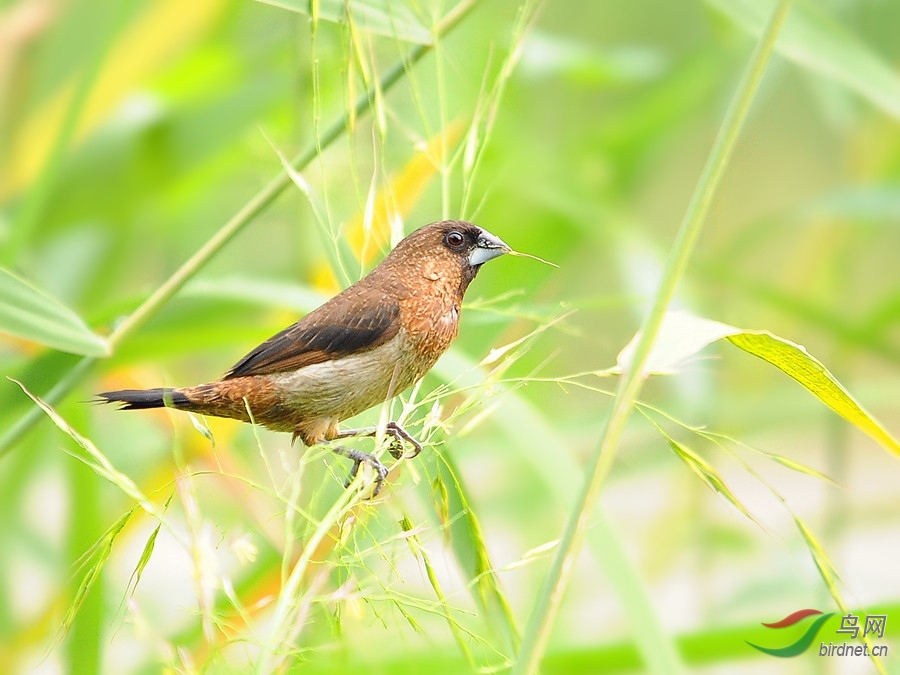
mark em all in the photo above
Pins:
pixel 141 399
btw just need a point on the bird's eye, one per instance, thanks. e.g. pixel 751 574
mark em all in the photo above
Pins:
pixel 454 240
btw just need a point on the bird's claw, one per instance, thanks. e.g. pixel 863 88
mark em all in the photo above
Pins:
pixel 358 458
pixel 399 436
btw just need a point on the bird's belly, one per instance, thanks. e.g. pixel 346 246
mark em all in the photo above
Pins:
pixel 343 387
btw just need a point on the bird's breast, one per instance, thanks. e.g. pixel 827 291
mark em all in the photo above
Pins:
pixel 431 323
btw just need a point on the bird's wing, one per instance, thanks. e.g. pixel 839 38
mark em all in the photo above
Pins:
pixel 336 329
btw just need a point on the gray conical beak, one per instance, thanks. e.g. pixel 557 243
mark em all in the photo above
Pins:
pixel 487 248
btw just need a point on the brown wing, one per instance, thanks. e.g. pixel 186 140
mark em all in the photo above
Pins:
pixel 344 325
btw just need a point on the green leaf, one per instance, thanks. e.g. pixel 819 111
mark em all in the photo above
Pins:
pixel 391 18
pixel 794 360
pixel 682 335
pixel 815 40
pixel 29 313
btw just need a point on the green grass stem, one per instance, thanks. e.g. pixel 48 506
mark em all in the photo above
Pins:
pixel 540 625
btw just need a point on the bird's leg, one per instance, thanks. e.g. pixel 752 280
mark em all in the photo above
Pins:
pixel 358 458
pixel 392 429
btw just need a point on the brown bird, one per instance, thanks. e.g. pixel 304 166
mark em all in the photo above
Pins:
pixel 361 348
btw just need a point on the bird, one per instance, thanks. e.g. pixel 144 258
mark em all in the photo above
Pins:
pixel 359 349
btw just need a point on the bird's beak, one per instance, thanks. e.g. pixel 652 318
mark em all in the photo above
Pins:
pixel 487 248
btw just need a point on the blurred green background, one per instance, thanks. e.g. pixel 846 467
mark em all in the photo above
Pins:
pixel 131 133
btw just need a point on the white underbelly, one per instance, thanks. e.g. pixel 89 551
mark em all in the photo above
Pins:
pixel 344 387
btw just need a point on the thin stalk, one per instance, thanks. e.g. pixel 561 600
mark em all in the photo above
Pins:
pixel 257 204
pixel 275 647
pixel 540 625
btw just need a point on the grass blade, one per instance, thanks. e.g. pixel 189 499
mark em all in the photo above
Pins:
pixel 93 562
pixel 419 552
pixel 96 460
pixel 705 472
pixel 830 577
pixel 467 540
pixel 30 313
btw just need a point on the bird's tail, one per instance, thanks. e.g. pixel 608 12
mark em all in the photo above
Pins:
pixel 141 399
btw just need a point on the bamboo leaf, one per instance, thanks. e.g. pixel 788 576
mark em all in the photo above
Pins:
pixel 817 41
pixel 794 360
pixel 682 335
pixel 30 313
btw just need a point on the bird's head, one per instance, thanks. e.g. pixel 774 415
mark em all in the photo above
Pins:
pixel 447 249
pixel 469 243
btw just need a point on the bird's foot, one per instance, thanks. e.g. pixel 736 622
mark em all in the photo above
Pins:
pixel 360 457
pixel 393 429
